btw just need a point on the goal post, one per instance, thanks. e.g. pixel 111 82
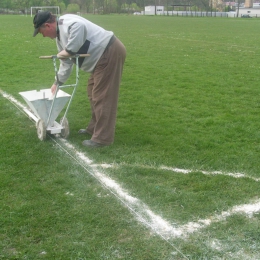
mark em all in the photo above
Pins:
pixel 37 9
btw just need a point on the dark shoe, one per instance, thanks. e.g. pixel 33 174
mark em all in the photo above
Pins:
pixel 92 144
pixel 84 131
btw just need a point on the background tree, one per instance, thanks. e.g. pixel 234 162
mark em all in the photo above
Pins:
pixel 119 4
pixel 73 8
pixel 80 3
pixel 18 4
pixel 6 4
pixel 62 7
pixel 106 6
pixel 99 6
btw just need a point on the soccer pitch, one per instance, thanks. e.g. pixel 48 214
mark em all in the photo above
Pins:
pixel 181 180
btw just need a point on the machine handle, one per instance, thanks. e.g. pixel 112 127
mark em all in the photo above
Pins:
pixel 62 57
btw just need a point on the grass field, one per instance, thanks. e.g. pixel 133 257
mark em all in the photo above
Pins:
pixel 181 180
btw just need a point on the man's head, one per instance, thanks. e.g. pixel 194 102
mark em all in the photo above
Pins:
pixel 44 23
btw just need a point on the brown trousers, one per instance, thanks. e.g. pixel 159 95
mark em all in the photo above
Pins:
pixel 103 90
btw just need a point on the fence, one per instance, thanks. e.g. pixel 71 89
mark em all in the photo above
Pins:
pixel 205 14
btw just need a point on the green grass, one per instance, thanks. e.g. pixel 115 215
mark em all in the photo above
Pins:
pixel 189 99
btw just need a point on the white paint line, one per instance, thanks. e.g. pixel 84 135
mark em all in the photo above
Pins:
pixel 183 171
pixel 19 105
pixel 145 215
pixel 142 211
pixel 13 100
pixel 247 209
pixel 175 169
pixel 234 175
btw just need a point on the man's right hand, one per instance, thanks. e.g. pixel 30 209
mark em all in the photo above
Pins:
pixel 53 89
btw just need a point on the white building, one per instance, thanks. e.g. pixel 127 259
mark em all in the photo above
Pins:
pixel 254 11
pixel 153 10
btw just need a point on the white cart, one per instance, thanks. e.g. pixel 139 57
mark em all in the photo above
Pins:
pixel 45 107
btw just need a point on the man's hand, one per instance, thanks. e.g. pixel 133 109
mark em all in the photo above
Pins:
pixel 53 89
pixel 63 54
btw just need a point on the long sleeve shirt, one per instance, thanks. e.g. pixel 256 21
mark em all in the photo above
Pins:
pixel 77 35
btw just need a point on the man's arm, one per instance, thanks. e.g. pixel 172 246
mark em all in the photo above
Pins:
pixel 64 71
pixel 64 54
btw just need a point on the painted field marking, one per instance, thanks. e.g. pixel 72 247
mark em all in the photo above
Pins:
pixel 146 216
pixel 140 210
pixel 183 171
pixel 234 175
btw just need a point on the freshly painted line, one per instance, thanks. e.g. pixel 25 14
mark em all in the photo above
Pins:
pixel 19 105
pixel 145 215
pixel 246 209
pixel 183 171
pixel 136 207
pixel 140 210
pixel 234 175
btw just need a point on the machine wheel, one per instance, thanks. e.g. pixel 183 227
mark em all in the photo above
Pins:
pixel 66 130
pixel 41 130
